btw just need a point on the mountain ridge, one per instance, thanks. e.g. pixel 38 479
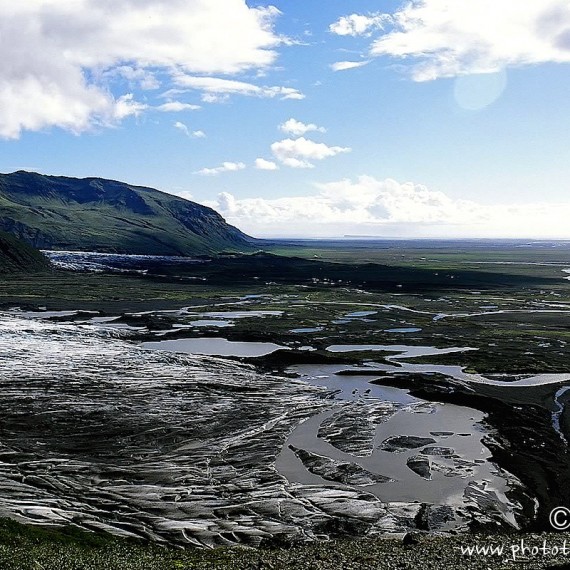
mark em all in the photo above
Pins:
pixel 61 212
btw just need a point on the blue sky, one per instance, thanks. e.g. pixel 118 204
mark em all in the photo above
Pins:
pixel 429 118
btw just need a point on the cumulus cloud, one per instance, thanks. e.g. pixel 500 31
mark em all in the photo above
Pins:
pixel 297 153
pixel 216 87
pixel 58 55
pixel 344 65
pixel 438 38
pixel 297 128
pixel 262 164
pixel 374 207
pixel 176 107
pixel 357 24
pixel 225 167
pixel 125 106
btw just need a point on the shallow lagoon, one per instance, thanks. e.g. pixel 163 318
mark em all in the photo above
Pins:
pixel 204 323
pixel 458 474
pixel 215 347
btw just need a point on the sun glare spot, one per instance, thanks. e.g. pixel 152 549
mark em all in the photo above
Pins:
pixel 478 91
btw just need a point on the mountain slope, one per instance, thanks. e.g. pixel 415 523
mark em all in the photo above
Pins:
pixel 57 212
pixel 16 256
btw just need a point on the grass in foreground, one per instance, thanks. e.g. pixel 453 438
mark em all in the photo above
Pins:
pixel 24 548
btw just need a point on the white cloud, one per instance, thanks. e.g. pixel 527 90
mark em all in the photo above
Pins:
pixel 136 76
pixel 58 55
pixel 177 106
pixel 297 153
pixel 215 98
pixel 182 127
pixel 344 65
pixel 216 87
pixel 289 93
pixel 357 24
pixel 126 106
pixel 297 128
pixel 262 164
pixel 191 134
pixel 374 207
pixel 447 39
pixel 225 167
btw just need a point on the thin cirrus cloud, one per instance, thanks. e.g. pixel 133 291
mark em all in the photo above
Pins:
pixel 215 89
pixel 176 107
pixel 143 78
pixel 299 152
pixel 59 55
pixel 344 65
pixel 298 128
pixel 368 206
pixel 225 167
pixel 191 134
pixel 438 38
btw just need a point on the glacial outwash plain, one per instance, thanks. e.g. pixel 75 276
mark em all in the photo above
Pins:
pixel 272 404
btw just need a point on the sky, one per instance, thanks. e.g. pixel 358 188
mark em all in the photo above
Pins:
pixel 320 118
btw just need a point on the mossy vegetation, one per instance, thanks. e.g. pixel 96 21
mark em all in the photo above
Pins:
pixel 93 214
pixel 29 548
pixel 17 256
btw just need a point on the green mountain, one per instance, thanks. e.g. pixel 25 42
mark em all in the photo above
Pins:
pixel 16 256
pixel 57 212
